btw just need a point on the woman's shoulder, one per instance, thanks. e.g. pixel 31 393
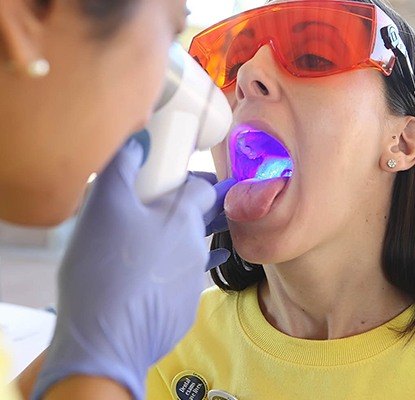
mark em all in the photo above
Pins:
pixel 215 302
pixel 219 311
pixel 214 298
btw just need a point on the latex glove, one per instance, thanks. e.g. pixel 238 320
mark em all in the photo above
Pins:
pixel 215 218
pixel 130 281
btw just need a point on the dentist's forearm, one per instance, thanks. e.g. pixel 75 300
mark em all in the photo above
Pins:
pixel 74 387
pixel 25 382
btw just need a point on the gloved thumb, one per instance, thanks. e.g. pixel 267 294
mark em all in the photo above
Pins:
pixel 125 164
pixel 221 189
pixel 217 257
pixel 209 176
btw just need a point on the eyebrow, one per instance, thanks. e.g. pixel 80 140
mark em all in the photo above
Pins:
pixel 301 26
pixel 304 25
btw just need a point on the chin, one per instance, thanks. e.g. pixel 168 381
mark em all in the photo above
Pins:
pixel 262 254
pixel 37 218
pixel 37 208
pixel 54 215
pixel 55 219
pixel 263 246
pixel 254 251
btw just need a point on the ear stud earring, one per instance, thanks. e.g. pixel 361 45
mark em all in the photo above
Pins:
pixel 38 68
pixel 392 163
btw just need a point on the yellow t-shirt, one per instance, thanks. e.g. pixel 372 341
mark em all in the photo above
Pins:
pixel 233 349
pixel 7 390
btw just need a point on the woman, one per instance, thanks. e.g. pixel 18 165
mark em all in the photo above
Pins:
pixel 317 302
pixel 77 79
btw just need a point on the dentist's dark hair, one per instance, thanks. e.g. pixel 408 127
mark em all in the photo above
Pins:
pixel 398 254
pixel 106 15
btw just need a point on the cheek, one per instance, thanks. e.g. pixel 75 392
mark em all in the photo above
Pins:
pixel 136 62
pixel 219 154
pixel 220 151
pixel 335 161
pixel 230 95
pixel 141 82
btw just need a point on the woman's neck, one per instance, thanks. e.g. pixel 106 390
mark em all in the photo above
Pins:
pixel 330 294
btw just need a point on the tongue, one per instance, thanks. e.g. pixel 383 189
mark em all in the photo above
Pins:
pixel 251 200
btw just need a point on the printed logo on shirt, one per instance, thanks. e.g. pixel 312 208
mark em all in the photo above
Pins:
pixel 189 385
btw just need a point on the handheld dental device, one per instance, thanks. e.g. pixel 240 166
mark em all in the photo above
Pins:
pixel 192 114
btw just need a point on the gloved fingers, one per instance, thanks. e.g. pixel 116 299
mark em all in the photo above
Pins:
pixel 125 164
pixel 199 192
pixel 217 257
pixel 209 176
pixel 219 224
pixel 222 189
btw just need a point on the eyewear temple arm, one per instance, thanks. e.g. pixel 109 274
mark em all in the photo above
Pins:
pixel 394 42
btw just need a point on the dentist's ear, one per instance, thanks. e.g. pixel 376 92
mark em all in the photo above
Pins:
pixel 399 149
pixel 21 32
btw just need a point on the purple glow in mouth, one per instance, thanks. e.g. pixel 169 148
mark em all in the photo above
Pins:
pixel 257 155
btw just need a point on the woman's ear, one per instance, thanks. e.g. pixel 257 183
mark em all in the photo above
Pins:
pixel 21 32
pixel 399 150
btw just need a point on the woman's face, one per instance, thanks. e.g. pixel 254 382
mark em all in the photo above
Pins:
pixel 58 130
pixel 335 129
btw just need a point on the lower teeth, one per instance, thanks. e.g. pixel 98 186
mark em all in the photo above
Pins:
pixel 275 168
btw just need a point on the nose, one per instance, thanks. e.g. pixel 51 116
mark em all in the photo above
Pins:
pixel 258 77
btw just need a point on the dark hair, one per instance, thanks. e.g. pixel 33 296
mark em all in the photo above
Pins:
pixel 107 14
pixel 398 253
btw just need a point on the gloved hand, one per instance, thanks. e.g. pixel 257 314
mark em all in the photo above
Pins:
pixel 131 278
pixel 215 219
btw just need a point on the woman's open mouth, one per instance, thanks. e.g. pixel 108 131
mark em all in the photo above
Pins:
pixel 262 166
pixel 257 155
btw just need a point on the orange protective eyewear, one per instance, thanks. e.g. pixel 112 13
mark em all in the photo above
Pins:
pixel 309 38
